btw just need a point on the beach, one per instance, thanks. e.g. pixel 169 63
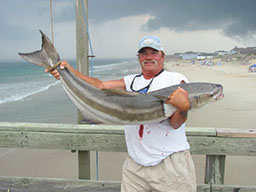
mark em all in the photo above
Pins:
pixel 235 110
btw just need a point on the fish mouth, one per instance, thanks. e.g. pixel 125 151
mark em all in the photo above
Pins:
pixel 219 94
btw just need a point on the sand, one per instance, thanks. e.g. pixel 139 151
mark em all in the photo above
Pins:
pixel 235 110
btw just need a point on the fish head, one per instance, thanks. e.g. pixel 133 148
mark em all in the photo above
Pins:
pixel 205 94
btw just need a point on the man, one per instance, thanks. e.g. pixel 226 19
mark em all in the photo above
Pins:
pixel 159 158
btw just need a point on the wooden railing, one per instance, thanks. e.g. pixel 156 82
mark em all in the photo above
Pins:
pixel 212 142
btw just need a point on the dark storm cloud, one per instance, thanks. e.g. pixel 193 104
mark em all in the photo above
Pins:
pixel 236 18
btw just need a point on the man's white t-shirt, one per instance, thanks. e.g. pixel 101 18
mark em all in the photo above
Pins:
pixel 149 144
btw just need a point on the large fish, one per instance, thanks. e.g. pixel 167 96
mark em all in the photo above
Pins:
pixel 119 106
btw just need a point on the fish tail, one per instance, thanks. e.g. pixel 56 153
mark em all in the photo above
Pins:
pixel 47 57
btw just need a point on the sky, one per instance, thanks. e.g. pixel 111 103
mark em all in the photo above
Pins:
pixel 116 26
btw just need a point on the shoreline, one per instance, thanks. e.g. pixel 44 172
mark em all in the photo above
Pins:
pixel 35 108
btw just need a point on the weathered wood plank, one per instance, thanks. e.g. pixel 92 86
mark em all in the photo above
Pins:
pixel 61 128
pixel 225 188
pixel 223 146
pixel 82 128
pixel 19 184
pixel 201 131
pixel 230 132
pixel 25 184
pixel 60 141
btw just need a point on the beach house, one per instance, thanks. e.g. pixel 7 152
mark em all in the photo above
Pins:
pixel 189 55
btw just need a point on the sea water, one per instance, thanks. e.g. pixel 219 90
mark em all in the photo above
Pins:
pixel 28 94
pixel 19 80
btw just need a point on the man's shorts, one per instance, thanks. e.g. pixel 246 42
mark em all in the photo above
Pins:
pixel 176 173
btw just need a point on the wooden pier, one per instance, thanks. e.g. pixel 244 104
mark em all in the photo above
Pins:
pixel 216 144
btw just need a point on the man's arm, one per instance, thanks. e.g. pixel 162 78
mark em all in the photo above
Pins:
pixel 113 84
pixel 179 99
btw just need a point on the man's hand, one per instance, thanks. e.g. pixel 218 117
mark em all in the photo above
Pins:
pixel 55 73
pixel 179 99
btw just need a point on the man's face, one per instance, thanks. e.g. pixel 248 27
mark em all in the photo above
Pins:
pixel 151 59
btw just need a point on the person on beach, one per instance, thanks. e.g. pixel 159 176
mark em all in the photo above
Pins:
pixel 159 157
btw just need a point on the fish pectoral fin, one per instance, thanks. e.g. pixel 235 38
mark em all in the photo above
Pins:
pixel 119 92
pixel 162 98
pixel 168 108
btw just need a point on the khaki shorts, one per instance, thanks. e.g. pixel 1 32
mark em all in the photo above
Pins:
pixel 176 173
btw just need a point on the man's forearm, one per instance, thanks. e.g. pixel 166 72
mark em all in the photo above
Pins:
pixel 178 118
pixel 93 81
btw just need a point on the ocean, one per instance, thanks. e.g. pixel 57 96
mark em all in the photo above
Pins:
pixel 28 94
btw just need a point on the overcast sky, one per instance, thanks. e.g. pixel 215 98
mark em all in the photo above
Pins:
pixel 116 26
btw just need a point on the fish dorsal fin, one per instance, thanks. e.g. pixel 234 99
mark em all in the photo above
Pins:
pixel 119 92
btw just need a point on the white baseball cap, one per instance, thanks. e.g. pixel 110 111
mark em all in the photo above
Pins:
pixel 150 41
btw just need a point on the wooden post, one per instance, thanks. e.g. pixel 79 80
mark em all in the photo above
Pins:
pixel 83 67
pixel 214 169
pixel 52 22
pixel 84 165
pixel 81 38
